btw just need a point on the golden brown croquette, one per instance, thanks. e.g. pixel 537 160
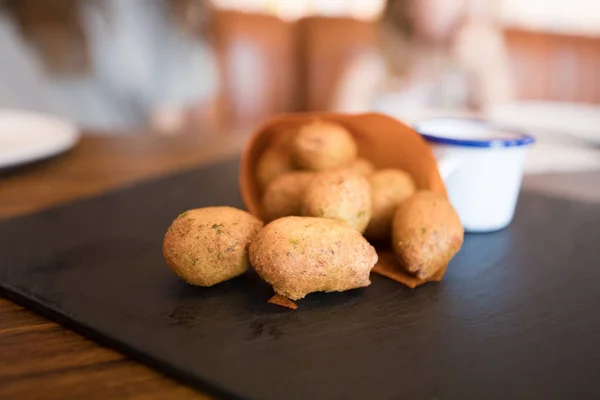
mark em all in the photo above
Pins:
pixel 301 255
pixel 209 245
pixel 426 233
pixel 323 145
pixel 284 195
pixel 339 194
pixel 389 187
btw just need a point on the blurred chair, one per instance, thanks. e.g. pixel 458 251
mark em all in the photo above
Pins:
pixel 326 46
pixel 270 66
pixel 257 60
pixel 555 67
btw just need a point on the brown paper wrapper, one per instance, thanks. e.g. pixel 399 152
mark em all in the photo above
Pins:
pixel 388 266
pixel 386 142
pixel 283 302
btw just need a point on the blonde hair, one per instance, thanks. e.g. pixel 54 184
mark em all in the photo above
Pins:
pixel 396 28
pixel 397 34
pixel 54 28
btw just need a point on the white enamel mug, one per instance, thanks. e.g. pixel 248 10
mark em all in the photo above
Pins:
pixel 482 167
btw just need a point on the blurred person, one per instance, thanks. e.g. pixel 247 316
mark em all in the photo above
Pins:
pixel 109 64
pixel 434 55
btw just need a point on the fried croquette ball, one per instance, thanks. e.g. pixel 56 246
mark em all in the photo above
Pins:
pixel 284 195
pixel 284 138
pixel 426 233
pixel 301 255
pixel 340 195
pixel 361 166
pixel 274 162
pixel 389 187
pixel 210 245
pixel 323 145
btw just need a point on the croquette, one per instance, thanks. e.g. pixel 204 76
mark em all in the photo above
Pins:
pixel 301 255
pixel 283 197
pixel 341 195
pixel 389 187
pixel 361 166
pixel 323 145
pixel 274 162
pixel 426 234
pixel 209 245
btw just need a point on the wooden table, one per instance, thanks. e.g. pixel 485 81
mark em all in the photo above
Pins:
pixel 40 359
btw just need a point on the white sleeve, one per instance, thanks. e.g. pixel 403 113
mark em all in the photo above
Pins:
pixel 190 74
pixel 482 50
pixel 360 83
pixel 143 57
pixel 23 83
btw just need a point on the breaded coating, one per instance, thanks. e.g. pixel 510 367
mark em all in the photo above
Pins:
pixel 273 163
pixel 426 234
pixel 361 166
pixel 301 255
pixel 323 145
pixel 389 187
pixel 209 245
pixel 284 195
pixel 339 194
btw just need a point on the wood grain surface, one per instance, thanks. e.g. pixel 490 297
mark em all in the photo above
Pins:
pixel 40 359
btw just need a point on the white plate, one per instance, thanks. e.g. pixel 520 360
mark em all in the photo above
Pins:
pixel 28 136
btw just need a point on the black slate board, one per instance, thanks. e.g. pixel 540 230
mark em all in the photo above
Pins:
pixel 515 317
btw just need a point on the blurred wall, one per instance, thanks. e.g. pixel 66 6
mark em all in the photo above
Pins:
pixel 271 66
pixel 557 67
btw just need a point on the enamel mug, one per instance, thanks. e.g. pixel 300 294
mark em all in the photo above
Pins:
pixel 482 167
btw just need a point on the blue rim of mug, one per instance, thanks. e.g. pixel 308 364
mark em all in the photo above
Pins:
pixel 520 139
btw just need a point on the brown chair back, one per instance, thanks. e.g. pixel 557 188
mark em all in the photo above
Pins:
pixel 557 67
pixel 327 46
pixel 257 60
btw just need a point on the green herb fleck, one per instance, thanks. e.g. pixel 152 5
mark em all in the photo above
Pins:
pixel 294 242
pixel 217 227
pixel 423 231
pixel 193 259
pixel 183 214
pixel 361 214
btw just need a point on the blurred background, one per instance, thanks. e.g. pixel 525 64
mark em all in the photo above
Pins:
pixel 173 66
